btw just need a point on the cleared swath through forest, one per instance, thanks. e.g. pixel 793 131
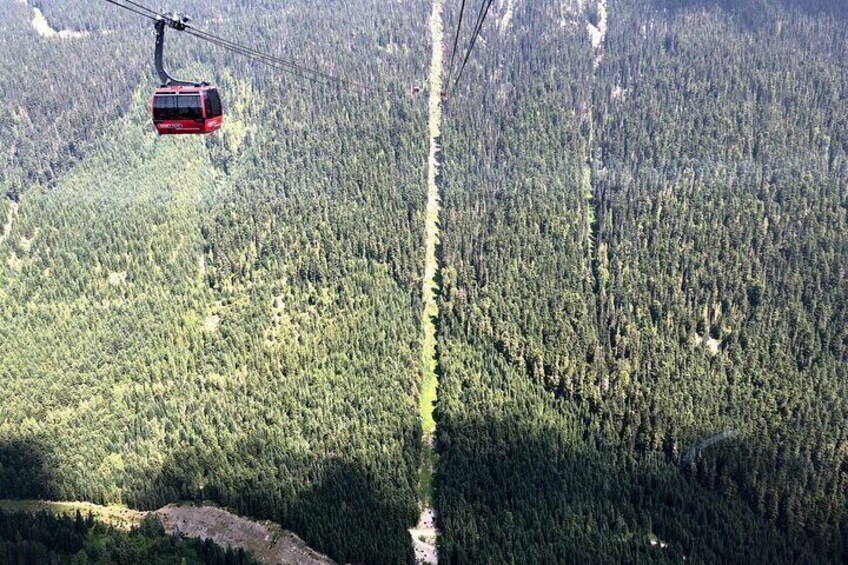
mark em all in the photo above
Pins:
pixel 424 534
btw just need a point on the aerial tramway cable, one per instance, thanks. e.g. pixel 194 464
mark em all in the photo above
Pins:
pixel 481 18
pixel 145 8
pixel 142 14
pixel 296 69
pixel 270 60
pixel 456 41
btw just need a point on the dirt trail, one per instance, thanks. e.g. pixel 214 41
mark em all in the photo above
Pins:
pixel 425 534
pixel 424 537
pixel 700 446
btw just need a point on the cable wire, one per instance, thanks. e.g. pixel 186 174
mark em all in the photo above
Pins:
pixel 291 67
pixel 456 41
pixel 481 18
pixel 249 51
pixel 264 61
pixel 145 8
pixel 142 14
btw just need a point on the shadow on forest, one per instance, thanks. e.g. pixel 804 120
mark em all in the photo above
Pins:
pixel 342 509
pixel 26 470
pixel 505 489
pixel 753 13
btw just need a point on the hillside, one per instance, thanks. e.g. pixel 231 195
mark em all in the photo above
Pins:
pixel 645 242
pixel 235 319
pixel 42 537
pixel 629 223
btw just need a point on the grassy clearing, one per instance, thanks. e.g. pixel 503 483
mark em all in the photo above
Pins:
pixel 427 402
pixel 428 466
pixel 429 389
pixel 114 515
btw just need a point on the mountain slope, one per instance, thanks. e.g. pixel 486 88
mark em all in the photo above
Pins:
pixel 645 251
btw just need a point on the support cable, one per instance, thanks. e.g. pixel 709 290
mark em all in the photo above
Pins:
pixel 291 67
pixel 481 18
pixel 456 41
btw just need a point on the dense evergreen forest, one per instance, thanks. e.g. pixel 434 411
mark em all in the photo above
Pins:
pixel 643 327
pixel 645 291
pixel 235 318
pixel 41 539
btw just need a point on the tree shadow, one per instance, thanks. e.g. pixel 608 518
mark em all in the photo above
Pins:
pixel 510 492
pixel 26 469
pixel 350 511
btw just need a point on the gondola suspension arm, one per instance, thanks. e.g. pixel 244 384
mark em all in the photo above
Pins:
pixel 178 22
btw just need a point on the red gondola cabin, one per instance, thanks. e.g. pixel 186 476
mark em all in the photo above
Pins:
pixel 187 110
pixel 181 107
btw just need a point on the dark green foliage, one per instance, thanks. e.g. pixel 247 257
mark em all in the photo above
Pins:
pixel 42 538
pixel 235 318
pixel 602 226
